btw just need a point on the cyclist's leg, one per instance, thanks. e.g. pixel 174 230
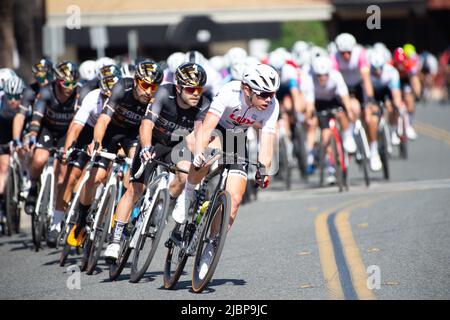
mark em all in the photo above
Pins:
pixel 4 165
pixel 236 185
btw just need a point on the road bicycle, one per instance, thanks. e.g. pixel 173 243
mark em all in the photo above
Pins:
pixel 383 139
pixel 42 216
pixel 338 156
pixel 210 214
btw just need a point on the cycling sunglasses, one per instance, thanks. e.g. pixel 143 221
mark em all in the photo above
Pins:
pixel 147 86
pixel 192 90
pixel 264 94
pixel 13 96
pixel 67 84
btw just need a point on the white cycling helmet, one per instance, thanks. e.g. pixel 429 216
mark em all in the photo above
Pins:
pixel 277 59
pixel 261 77
pixel 332 48
pixel 217 62
pixel 101 62
pixel 321 65
pixel 237 70
pixel 14 85
pixel 5 74
pixel 377 59
pixel 317 51
pixel 88 70
pixel 381 47
pixel 345 42
pixel 175 60
pixel 194 57
pixel 299 47
pixel 235 55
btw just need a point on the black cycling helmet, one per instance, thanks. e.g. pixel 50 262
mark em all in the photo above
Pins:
pixel 190 75
pixel 110 70
pixel 149 71
pixel 109 76
pixel 42 70
pixel 67 71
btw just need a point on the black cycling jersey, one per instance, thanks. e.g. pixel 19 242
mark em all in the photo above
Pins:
pixel 51 113
pixel 123 108
pixel 168 116
pixel 7 113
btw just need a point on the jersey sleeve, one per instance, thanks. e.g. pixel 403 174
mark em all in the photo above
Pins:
pixel 363 63
pixel 40 106
pixel 341 87
pixel 87 105
pixel 219 102
pixel 269 124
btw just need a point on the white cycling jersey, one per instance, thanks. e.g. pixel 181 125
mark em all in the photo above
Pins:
pixel 229 104
pixel 389 77
pixel 351 70
pixel 91 108
pixel 335 87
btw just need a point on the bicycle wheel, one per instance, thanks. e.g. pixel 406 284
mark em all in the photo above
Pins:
pixel 148 241
pixel 218 219
pixel 116 269
pixel 100 233
pixel 300 150
pixel 322 157
pixel 337 165
pixel 175 259
pixel 383 151
pixel 39 221
pixel 86 249
pixel 363 160
pixel 284 167
pixel 11 202
pixel 18 200
pixel 403 139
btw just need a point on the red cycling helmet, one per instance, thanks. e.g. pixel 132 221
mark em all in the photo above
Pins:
pixel 399 55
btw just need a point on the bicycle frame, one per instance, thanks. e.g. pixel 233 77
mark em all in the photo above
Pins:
pixel 48 171
pixel 359 129
pixel 342 159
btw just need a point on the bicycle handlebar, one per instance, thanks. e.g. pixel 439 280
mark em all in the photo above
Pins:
pixel 171 167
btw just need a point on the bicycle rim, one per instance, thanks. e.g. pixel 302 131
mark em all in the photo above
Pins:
pixel 220 213
pixel 101 231
pixel 175 261
pixel 148 242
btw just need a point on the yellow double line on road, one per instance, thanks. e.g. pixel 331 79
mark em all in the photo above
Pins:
pixel 342 265
pixel 433 132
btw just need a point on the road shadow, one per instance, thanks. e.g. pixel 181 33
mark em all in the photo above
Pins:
pixel 187 285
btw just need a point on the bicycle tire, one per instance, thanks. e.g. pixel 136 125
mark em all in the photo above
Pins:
pixel 403 140
pixel 10 204
pixel 284 167
pixel 364 161
pixel 322 157
pixel 337 165
pixel 64 254
pixel 300 150
pixel 383 151
pixel 171 277
pixel 222 200
pixel 116 269
pixel 40 216
pixel 101 230
pixel 138 272
pixel 85 258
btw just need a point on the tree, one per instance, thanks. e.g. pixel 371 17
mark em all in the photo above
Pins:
pixel 309 31
pixel 6 34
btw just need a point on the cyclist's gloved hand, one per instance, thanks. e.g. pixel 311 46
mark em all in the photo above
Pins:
pixel 17 143
pixel 32 140
pixel 147 153
pixel 199 160
pixel 262 179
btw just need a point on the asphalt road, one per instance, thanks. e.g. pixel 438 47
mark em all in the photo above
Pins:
pixel 388 241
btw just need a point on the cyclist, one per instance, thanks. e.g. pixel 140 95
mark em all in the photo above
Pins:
pixel 173 62
pixel 351 61
pixel 118 126
pixel 52 114
pixel 10 105
pixel 5 74
pixel 237 106
pixel 176 109
pixel 326 89
pixel 410 83
pixel 386 84
pixel 79 135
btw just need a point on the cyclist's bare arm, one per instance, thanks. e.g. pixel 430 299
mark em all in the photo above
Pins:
pixel 298 100
pixel 347 105
pixel 397 97
pixel 415 85
pixel 367 82
pixel 100 128
pixel 266 149
pixel 145 132
pixel 72 134
pixel 203 132
pixel 18 122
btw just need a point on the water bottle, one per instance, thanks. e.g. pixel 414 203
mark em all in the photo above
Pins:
pixel 202 211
